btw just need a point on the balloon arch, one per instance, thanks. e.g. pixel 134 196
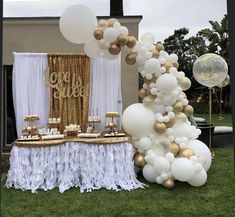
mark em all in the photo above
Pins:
pixel 166 143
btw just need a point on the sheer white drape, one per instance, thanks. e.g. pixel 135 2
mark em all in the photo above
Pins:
pixel 30 94
pixel 105 87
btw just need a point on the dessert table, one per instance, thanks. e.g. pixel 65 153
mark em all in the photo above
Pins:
pixel 87 163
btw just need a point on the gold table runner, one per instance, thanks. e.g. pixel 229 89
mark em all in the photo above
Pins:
pixel 48 143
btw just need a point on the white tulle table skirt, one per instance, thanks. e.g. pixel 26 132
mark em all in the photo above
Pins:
pixel 73 164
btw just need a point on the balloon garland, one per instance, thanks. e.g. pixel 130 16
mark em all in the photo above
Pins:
pixel 166 143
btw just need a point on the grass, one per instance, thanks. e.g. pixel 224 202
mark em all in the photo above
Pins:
pixel 215 198
pixel 226 121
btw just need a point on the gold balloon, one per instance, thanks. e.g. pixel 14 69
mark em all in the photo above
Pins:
pixel 103 24
pixel 155 53
pixel 159 47
pixel 168 65
pixel 142 93
pixel 122 40
pixel 175 149
pixel 148 93
pixel 188 110
pixel 178 107
pixel 160 127
pixel 181 116
pixel 176 65
pixel 139 160
pixel 169 184
pixel 153 80
pixel 114 49
pixel 131 41
pixel 131 58
pixel 187 153
pixel 111 21
pixel 98 34
pixel 170 123
pixel 184 83
pixel 148 100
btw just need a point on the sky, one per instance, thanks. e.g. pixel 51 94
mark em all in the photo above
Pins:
pixel 160 17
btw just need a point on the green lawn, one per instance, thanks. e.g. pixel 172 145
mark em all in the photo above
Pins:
pixel 215 198
pixel 226 121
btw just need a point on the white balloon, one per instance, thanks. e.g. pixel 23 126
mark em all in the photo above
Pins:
pixel 140 59
pixel 173 71
pixel 161 164
pixel 91 48
pixel 170 157
pixel 159 108
pixel 145 143
pixel 148 37
pixel 173 58
pixel 198 179
pixel 153 91
pixel 201 150
pixel 78 23
pixel 116 25
pixel 166 83
pixel 110 34
pixel 162 70
pixel 149 76
pixel 122 30
pixel 137 120
pixel 169 100
pixel 182 169
pixel 152 65
pixel 149 173
pixel 103 44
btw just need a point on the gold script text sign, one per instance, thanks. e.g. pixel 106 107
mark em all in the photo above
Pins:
pixel 65 84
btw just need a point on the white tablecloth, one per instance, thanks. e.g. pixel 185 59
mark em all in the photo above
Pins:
pixel 73 164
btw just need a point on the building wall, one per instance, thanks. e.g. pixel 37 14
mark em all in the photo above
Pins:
pixel 43 35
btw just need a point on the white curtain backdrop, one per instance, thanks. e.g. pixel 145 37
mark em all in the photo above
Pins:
pixel 105 87
pixel 30 94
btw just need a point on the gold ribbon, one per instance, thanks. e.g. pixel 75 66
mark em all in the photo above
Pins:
pixel 48 143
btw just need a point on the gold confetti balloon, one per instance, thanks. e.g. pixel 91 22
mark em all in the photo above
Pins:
pixel 210 70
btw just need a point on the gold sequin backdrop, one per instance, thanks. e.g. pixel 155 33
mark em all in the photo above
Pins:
pixel 68 76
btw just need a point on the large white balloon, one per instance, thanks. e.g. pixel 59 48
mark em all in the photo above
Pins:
pixel 182 169
pixel 91 48
pixel 78 23
pixel 150 173
pixel 149 37
pixel 201 151
pixel 137 120
pixel 198 179
pixel 166 83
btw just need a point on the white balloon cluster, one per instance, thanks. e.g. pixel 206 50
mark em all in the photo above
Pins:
pixel 163 136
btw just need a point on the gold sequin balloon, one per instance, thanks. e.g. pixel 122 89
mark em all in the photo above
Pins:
pixel 175 149
pixel 169 184
pixel 139 160
pixel 187 153
pixel 188 110
pixel 160 127
pixel 98 34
